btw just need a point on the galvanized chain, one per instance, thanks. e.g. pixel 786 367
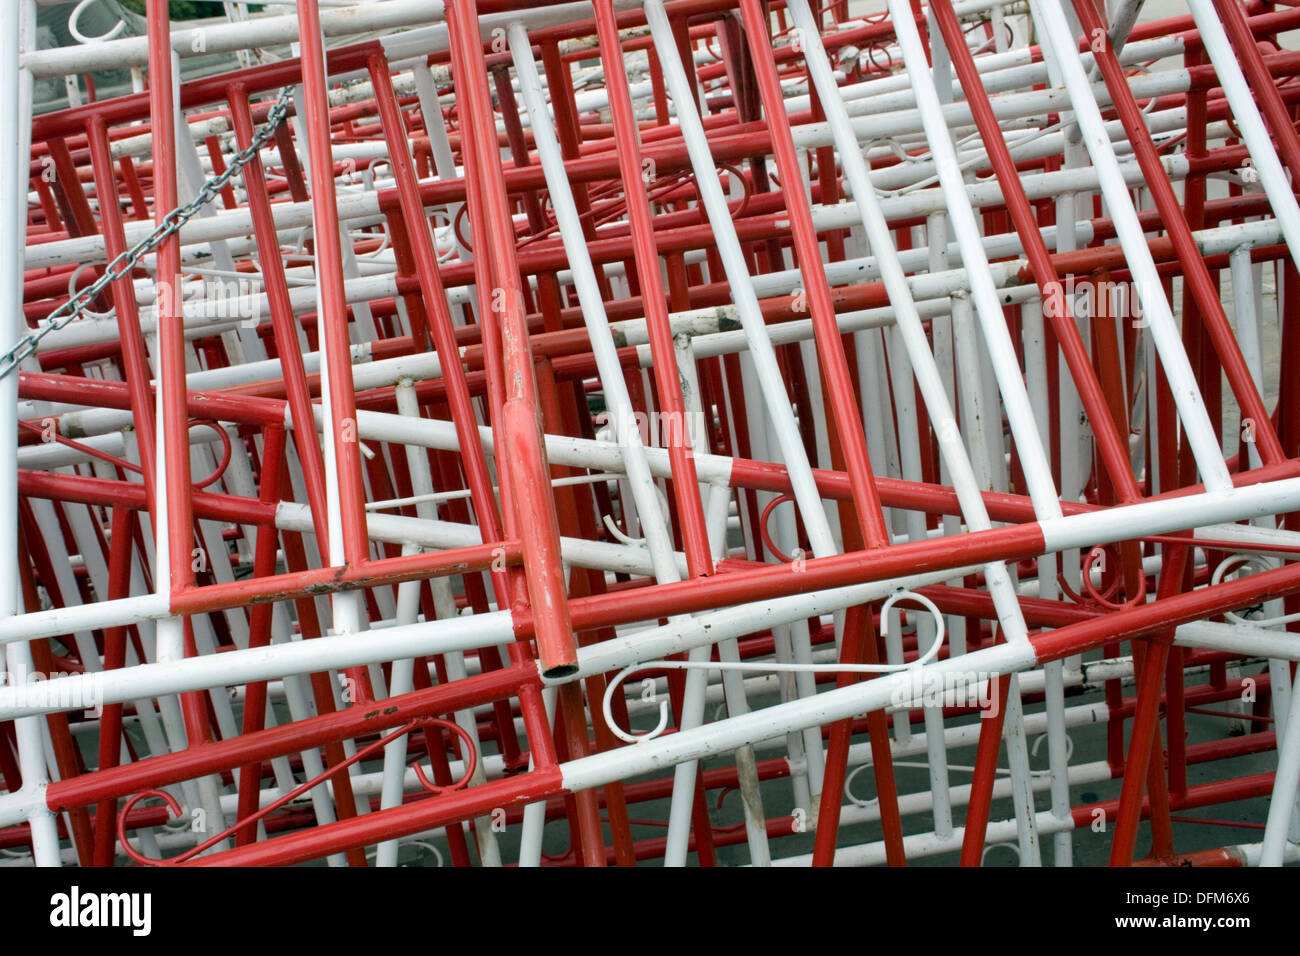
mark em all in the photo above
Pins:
pixel 128 260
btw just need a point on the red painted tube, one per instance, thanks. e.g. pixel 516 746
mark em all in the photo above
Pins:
pixel 435 299
pixel 981 793
pixel 171 331
pixel 135 358
pixel 305 437
pixel 529 484
pixel 690 510
pixel 333 310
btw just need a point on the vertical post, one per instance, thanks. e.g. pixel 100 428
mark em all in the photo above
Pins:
pixel 523 458
pixel 348 544
pixel 172 529
pixel 15 117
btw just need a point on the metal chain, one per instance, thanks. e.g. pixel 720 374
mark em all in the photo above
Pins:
pixel 127 261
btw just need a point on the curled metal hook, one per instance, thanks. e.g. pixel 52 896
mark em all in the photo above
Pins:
pixel 75 17
pixel 127 807
pixel 617 532
pixel 722 795
pixel 746 187
pixel 371 167
pixel 614 725
pixel 902 594
pixel 300 240
pixel 869 58
pixel 776 666
pixel 1038 742
pixel 471 759
pixel 618 731
pixel 993 846
pixel 443 223
pixel 1246 560
pixel 456 222
pixel 1091 595
pixel 422 844
pixel 385 238
pixel 224 463
pixel 1101 599
pixel 762 527
pixel 72 291
pixel 848 788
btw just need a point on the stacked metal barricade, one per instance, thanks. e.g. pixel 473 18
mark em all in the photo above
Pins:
pixel 492 433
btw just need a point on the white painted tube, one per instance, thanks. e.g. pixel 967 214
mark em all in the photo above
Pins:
pixel 1278 830
pixel 15 117
pixel 262 663
pixel 726 735
pixel 1274 179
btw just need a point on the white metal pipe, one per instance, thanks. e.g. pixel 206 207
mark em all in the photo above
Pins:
pixel 225 38
pixel 15 116
pixel 1278 830
pixel 1274 179
pixel 254 664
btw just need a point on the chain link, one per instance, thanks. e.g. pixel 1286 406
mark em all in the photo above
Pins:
pixel 127 261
